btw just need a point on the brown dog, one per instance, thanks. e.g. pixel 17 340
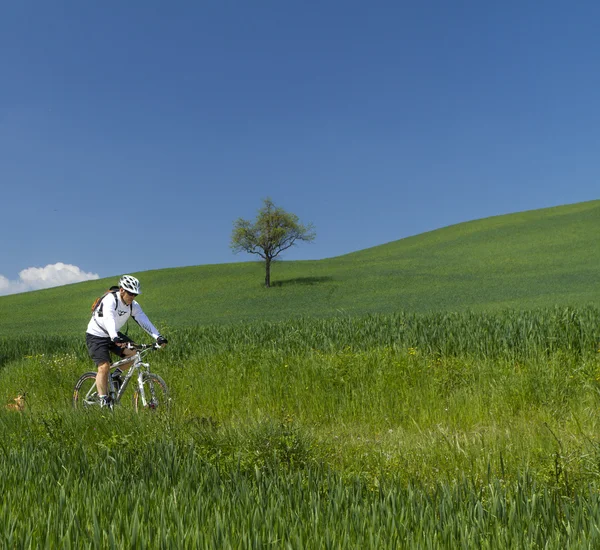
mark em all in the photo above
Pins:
pixel 19 403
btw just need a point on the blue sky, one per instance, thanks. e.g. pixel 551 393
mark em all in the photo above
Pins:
pixel 133 134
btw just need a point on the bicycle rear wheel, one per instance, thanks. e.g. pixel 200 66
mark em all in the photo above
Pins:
pixel 156 394
pixel 85 394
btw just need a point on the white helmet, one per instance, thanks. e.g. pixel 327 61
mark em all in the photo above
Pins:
pixel 130 283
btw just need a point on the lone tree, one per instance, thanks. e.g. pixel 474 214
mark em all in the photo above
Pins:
pixel 274 231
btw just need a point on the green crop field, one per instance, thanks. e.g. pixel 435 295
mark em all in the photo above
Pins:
pixel 441 391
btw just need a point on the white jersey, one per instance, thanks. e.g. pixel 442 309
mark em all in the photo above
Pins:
pixel 113 318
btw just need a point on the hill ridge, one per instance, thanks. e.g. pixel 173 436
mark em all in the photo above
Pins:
pixel 535 258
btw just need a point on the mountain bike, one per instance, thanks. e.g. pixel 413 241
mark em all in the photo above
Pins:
pixel 150 390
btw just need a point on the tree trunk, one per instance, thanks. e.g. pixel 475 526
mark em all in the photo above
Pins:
pixel 268 272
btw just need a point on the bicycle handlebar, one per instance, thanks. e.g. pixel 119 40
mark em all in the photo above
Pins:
pixel 141 347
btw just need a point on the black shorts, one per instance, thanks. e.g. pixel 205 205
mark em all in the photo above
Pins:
pixel 100 348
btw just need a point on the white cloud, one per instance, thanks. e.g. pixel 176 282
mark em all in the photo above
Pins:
pixel 36 278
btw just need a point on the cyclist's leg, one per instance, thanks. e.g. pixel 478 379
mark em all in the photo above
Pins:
pixel 99 349
pixel 102 379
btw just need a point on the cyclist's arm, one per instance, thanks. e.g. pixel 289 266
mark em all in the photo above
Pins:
pixel 142 319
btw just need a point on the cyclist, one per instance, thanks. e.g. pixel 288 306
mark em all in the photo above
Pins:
pixel 103 337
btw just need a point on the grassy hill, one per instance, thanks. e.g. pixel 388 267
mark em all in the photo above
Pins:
pixel 537 258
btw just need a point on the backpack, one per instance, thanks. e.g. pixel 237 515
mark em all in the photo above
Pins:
pixel 98 301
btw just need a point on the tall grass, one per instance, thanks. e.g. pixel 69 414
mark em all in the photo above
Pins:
pixel 135 487
pixel 405 430
pixel 510 334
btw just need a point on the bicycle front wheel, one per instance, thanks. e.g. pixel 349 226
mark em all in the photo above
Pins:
pixel 155 394
pixel 86 394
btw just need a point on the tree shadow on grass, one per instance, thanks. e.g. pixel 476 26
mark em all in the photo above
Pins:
pixel 302 281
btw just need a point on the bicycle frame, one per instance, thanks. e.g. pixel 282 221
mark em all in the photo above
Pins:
pixel 136 366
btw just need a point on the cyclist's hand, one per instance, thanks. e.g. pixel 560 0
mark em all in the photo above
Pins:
pixel 162 341
pixel 121 342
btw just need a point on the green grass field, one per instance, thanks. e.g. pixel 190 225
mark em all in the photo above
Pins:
pixel 540 258
pixel 410 430
pixel 377 400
